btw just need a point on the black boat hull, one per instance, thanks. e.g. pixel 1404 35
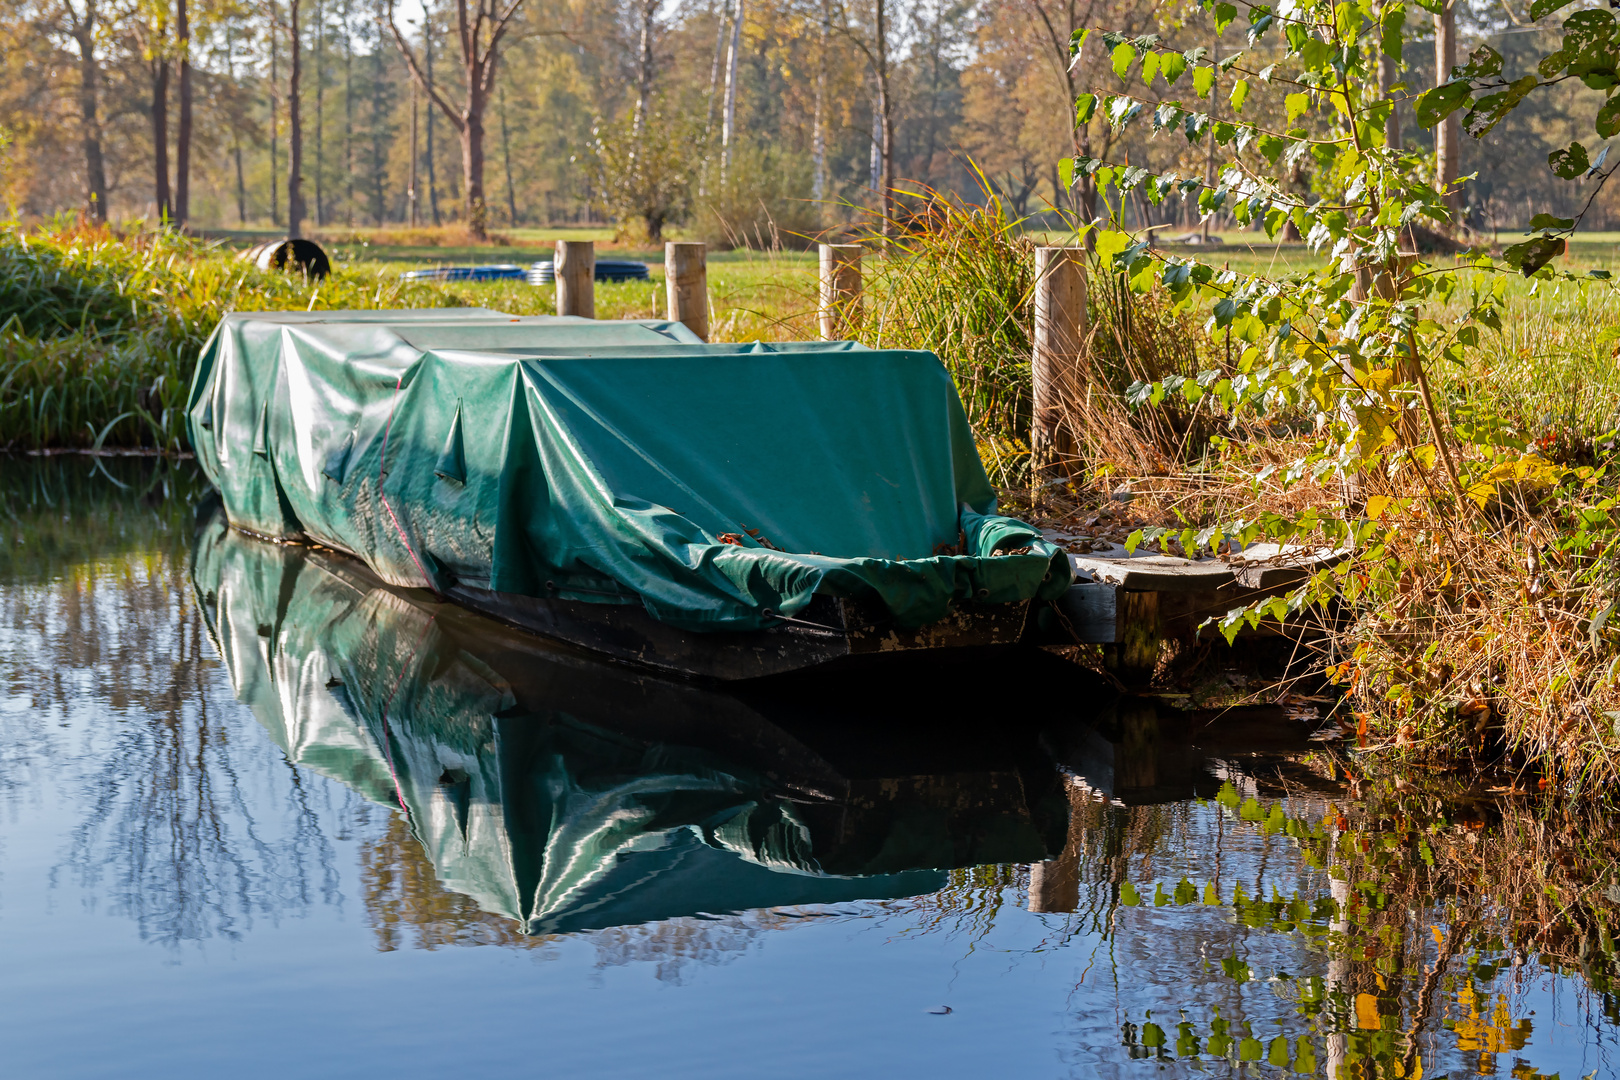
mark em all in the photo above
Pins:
pixel 829 631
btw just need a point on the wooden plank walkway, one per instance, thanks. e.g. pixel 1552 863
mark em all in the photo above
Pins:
pixel 1132 601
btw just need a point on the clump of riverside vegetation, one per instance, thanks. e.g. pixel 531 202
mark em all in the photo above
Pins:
pixel 1446 426
pixel 99 332
pixel 958 278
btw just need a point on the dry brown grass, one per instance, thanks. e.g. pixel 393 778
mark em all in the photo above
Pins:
pixel 1489 642
pixel 1464 636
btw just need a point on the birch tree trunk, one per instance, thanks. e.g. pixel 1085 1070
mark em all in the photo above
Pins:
pixel 644 66
pixel 728 112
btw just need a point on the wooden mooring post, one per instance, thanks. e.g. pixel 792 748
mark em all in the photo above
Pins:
pixel 575 271
pixel 686 285
pixel 840 306
pixel 1060 333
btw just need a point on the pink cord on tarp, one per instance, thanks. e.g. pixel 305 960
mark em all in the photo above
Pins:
pixel 382 462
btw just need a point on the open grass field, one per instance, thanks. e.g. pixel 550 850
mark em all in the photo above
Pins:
pixel 771 295
pixel 754 295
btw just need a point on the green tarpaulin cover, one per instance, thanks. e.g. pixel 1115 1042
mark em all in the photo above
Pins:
pixel 611 461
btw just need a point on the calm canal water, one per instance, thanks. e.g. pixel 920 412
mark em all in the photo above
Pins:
pixel 261 817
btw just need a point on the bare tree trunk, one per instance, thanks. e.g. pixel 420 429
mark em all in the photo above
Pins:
pixel 320 113
pixel 480 73
pixel 163 204
pixel 472 170
pixel 818 134
pixel 379 202
pixel 416 158
pixel 936 45
pixel 182 145
pixel 506 157
pixel 236 132
pixel 1387 76
pixel 874 149
pixel 1209 136
pixel 433 181
pixel 295 131
pixel 1447 136
pixel 275 115
pixel 886 111
pixel 241 181
pixel 348 113
pixel 722 25
pixel 479 57
pixel 728 112
pixel 83 31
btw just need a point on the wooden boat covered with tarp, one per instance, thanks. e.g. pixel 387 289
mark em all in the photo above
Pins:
pixel 727 511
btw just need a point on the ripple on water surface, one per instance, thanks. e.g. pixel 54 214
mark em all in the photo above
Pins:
pixel 260 815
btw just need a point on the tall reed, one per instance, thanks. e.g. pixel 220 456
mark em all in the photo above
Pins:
pixel 957 278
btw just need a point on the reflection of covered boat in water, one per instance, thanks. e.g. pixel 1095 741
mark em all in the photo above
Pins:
pixel 568 794
pixel 726 511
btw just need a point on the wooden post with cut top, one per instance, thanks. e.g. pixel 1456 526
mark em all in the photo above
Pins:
pixel 575 271
pixel 840 307
pixel 1060 334
pixel 686 284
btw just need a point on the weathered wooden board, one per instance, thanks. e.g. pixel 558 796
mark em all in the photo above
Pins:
pixel 1143 571
pixel 1258 566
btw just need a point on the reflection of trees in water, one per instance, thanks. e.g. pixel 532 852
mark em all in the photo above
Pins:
pixel 113 662
pixel 1396 931
pixel 674 945
pixel 408 907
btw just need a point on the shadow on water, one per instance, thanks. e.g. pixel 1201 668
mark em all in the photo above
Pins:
pixel 1232 894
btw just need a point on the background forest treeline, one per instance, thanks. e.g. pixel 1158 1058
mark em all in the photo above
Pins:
pixel 583 88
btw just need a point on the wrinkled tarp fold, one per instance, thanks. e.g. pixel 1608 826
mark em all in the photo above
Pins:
pixel 611 461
